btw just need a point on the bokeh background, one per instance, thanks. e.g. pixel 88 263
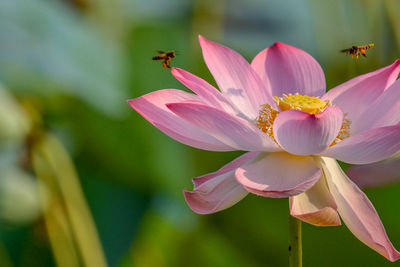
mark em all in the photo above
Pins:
pixel 86 181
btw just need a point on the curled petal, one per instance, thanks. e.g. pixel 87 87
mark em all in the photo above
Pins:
pixel 235 78
pixel 288 69
pixel 208 93
pixel 231 130
pixel 356 211
pixel 207 182
pixel 152 107
pixel 376 174
pixel 356 95
pixel 278 175
pixel 301 133
pixel 219 190
pixel 315 206
pixel 367 147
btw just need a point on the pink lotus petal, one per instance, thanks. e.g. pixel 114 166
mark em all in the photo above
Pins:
pixel 152 107
pixel 279 175
pixel 288 69
pixel 219 190
pixel 208 93
pixel 315 206
pixel 235 78
pixel 356 210
pixel 385 111
pixel 231 130
pixel 367 147
pixel 376 174
pixel 355 96
pixel 301 133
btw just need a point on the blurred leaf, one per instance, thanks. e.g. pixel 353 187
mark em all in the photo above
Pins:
pixel 392 9
pixel 4 258
pixel 14 122
pixel 19 196
pixel 117 210
pixel 56 51
pixel 68 212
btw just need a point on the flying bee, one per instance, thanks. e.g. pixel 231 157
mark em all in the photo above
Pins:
pixel 166 57
pixel 356 50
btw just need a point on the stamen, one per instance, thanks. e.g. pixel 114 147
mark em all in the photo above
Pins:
pixel 266 118
pixel 344 131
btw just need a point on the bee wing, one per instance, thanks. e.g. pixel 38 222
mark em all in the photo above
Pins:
pixel 160 52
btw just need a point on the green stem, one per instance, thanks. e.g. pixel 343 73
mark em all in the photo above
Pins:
pixel 295 247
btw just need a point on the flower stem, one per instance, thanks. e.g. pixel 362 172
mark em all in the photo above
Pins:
pixel 295 247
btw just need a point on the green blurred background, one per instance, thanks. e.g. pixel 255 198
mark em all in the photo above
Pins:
pixel 67 68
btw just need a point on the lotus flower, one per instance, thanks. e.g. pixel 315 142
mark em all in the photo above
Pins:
pixel 276 108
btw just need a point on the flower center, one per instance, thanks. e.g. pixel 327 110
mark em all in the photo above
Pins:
pixel 305 103
pixel 309 104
